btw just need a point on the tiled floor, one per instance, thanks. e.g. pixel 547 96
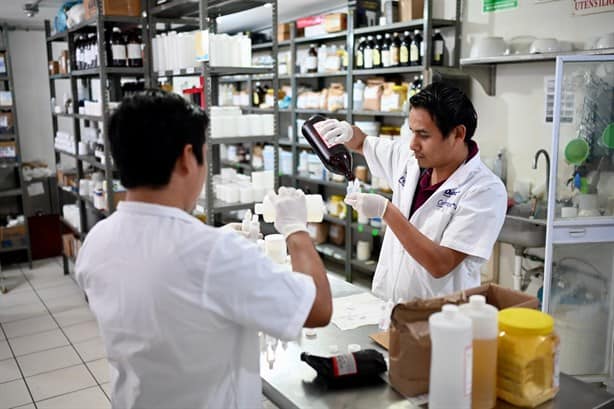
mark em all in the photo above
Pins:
pixel 51 354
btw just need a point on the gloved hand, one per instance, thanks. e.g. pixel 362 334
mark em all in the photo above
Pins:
pixel 368 204
pixel 334 131
pixel 290 210
pixel 238 228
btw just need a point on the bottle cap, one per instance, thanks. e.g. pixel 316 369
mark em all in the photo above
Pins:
pixel 449 311
pixel 477 300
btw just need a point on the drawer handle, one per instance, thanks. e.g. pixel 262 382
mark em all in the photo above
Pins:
pixel 577 233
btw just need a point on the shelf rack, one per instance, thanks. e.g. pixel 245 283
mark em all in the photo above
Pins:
pixel 19 193
pixel 110 89
pixel 204 13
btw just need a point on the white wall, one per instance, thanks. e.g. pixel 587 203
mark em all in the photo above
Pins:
pixel 513 118
pixel 29 59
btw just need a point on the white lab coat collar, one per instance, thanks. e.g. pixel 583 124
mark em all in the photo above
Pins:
pixel 152 209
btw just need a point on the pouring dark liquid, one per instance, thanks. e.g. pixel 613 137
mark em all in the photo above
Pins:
pixel 336 158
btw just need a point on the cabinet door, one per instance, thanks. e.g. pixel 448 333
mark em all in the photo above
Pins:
pixel 584 143
pixel 581 303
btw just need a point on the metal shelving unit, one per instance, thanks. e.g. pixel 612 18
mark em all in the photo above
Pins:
pixel 15 195
pixel 206 11
pixel 348 37
pixel 110 84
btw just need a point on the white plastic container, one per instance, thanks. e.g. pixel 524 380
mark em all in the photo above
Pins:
pixel 451 359
pixel 485 333
pixel 359 90
pixel 315 209
pixel 275 248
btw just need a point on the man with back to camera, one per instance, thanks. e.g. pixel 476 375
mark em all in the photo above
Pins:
pixel 447 207
pixel 179 303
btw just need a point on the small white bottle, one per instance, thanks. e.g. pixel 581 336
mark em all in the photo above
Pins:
pixel 315 209
pixel 451 359
pixel 485 322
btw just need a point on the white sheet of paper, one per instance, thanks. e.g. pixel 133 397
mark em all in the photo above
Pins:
pixel 356 311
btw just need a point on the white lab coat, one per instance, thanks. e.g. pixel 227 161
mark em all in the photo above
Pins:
pixel 179 305
pixel 466 214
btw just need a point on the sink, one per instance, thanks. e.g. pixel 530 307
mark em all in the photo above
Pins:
pixel 522 231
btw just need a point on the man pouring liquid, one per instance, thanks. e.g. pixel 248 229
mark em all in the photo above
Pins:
pixel 447 207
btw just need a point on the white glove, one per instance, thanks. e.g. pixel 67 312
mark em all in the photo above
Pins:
pixel 238 228
pixel 334 131
pixel 290 210
pixel 368 204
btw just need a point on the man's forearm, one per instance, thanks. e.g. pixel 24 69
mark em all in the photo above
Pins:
pixel 436 259
pixel 305 259
pixel 356 143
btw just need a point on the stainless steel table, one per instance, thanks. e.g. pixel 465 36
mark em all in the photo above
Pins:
pixel 290 382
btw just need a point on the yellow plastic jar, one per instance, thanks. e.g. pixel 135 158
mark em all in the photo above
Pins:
pixel 528 357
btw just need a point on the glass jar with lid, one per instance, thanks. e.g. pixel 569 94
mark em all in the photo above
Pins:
pixel 528 357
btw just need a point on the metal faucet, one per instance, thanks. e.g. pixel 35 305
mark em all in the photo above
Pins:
pixel 537 154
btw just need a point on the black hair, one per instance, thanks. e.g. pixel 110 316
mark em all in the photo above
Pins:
pixel 448 106
pixel 148 133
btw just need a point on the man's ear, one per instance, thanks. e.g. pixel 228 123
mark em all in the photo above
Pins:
pixel 186 159
pixel 460 131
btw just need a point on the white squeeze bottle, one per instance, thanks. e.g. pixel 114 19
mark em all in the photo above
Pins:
pixel 485 333
pixel 451 359
pixel 315 209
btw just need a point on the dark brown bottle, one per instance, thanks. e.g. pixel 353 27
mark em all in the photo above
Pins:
pixel 118 49
pixel 404 49
pixel 336 158
pixel 377 52
pixel 133 48
pixel 358 368
pixel 312 59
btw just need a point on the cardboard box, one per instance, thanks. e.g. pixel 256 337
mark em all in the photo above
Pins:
pixel 64 63
pixel 6 121
pixel 335 22
pixel 8 149
pixel 54 67
pixel 410 341
pixel 112 8
pixel 318 232
pixel 410 9
pixel 283 32
pixel 12 236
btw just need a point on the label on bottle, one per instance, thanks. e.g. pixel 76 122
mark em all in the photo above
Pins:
pixel 368 58
pixel 394 56
pixel 344 60
pixel 134 51
pixel 377 58
pixel 345 365
pixel 386 58
pixel 118 52
pixel 404 55
pixel 360 62
pixel 311 62
pixel 438 56
pixel 422 48
pixel 468 369
pixel 413 54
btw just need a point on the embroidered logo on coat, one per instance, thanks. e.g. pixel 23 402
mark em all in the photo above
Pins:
pixel 442 203
pixel 451 192
pixel 402 181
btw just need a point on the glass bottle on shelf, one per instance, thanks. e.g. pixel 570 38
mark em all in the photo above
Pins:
pixel 311 62
pixel 404 49
pixel 118 49
pixel 135 58
pixel 415 49
pixel 438 48
pixel 368 53
pixel 360 50
pixel 76 53
pixel 377 52
pixel 395 46
pixel 386 59
pixel 343 55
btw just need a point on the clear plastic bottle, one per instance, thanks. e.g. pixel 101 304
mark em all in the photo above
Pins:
pixel 451 359
pixel 315 209
pixel 485 333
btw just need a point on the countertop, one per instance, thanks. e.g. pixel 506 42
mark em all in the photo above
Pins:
pixel 289 383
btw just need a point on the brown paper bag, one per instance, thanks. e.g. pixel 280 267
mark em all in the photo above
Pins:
pixel 373 94
pixel 336 97
pixel 410 341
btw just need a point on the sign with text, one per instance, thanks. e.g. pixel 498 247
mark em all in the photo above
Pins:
pixel 584 7
pixel 488 6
